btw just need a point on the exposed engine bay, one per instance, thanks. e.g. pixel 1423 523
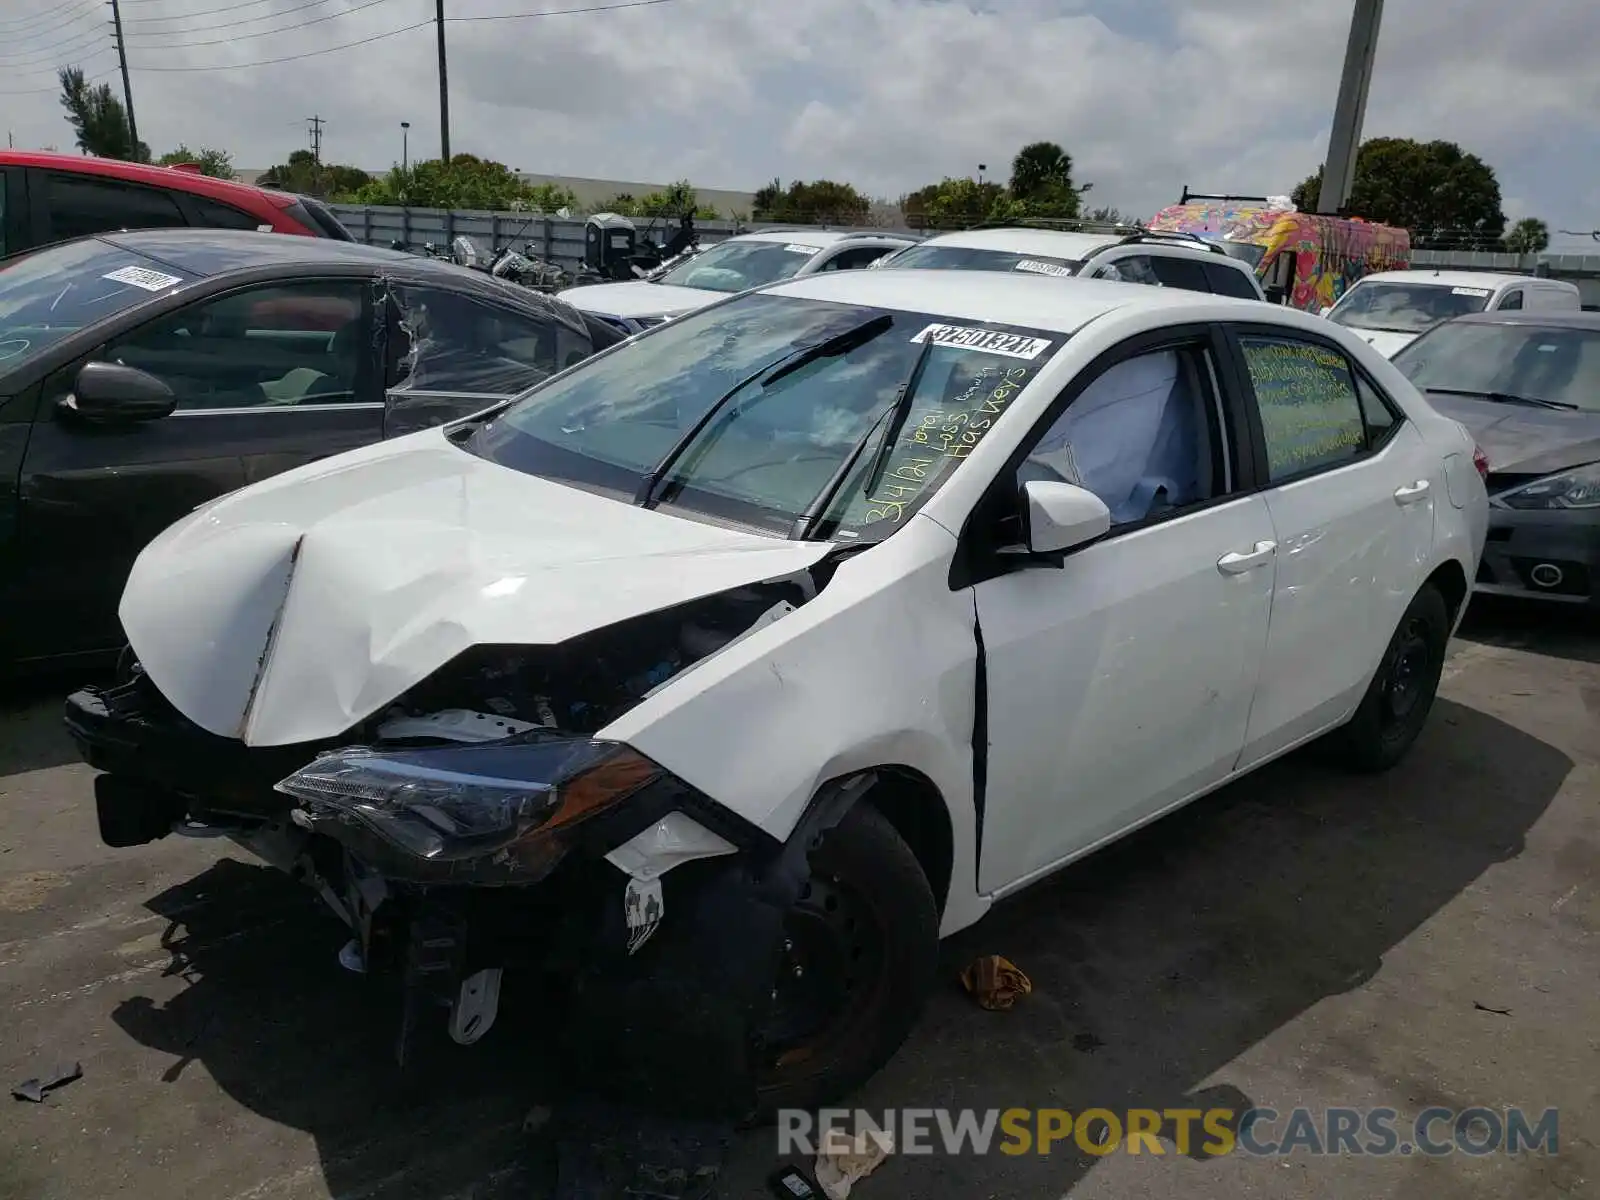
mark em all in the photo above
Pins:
pixel 584 684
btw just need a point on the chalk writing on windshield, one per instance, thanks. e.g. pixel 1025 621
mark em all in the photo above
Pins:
pixel 1310 413
pixel 936 437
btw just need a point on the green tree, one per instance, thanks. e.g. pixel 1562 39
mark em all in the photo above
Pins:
pixel 1447 198
pixel 98 119
pixel 957 204
pixel 672 201
pixel 1528 236
pixel 465 182
pixel 302 173
pixel 820 202
pixel 216 163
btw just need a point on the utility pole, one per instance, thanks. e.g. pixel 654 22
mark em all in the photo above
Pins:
pixel 127 88
pixel 1350 110
pixel 316 124
pixel 444 90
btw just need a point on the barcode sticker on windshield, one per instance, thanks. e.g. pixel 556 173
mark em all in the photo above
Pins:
pixel 143 277
pixel 1036 267
pixel 1012 345
pixel 798 248
pixel 1469 291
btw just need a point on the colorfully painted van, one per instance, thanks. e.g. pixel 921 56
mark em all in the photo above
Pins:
pixel 1301 259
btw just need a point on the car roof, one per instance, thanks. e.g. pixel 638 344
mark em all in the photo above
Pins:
pixel 167 177
pixel 207 253
pixel 1056 243
pixel 819 238
pixel 202 252
pixel 1002 297
pixel 1550 319
pixel 1488 279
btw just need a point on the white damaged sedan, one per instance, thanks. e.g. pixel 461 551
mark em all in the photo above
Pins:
pixel 727 671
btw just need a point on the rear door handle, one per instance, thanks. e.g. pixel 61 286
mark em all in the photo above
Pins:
pixel 1239 562
pixel 1411 494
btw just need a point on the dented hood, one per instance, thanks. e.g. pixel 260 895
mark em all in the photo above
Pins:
pixel 291 610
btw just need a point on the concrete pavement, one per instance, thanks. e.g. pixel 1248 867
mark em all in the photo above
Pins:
pixel 1302 938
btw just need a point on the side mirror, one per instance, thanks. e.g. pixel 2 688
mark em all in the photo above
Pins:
pixel 112 392
pixel 1058 517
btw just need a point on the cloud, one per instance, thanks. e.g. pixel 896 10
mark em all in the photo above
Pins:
pixel 1147 95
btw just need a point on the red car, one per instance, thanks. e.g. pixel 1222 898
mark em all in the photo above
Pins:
pixel 52 197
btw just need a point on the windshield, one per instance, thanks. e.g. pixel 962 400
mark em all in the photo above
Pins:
pixel 967 258
pixel 733 266
pixel 776 447
pixel 1560 366
pixel 1245 252
pixel 59 290
pixel 1406 307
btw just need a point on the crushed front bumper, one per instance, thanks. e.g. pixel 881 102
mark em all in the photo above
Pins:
pixel 1551 555
pixel 652 1010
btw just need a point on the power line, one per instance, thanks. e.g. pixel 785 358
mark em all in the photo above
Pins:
pixel 241 37
pixel 207 12
pixel 17 26
pixel 378 37
pixel 244 20
pixel 565 12
pixel 54 49
pixel 57 89
pixel 268 62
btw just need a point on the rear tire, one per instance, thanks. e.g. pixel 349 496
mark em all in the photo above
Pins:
pixel 1402 691
pixel 861 952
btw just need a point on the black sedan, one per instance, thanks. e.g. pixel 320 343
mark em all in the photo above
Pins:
pixel 1527 386
pixel 144 373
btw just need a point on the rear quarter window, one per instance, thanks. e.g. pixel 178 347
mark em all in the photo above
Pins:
pixel 213 214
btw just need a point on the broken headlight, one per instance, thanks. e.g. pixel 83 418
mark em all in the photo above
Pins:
pixel 494 809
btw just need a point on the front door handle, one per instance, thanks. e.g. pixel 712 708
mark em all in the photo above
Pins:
pixel 1412 493
pixel 1240 561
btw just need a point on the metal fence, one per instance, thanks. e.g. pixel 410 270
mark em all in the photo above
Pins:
pixel 554 239
pixel 560 241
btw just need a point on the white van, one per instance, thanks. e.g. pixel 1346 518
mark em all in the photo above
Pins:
pixel 1390 308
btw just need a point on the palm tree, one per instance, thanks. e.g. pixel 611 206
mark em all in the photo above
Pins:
pixel 1528 236
pixel 1040 167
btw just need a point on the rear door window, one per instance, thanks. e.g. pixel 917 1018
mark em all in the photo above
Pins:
pixel 1226 281
pixel 82 204
pixel 1175 272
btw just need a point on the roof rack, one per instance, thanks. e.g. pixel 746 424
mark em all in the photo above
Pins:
pixel 1188 196
pixel 1158 235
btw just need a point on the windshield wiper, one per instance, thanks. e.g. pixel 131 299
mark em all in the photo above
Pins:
pixel 840 343
pixel 896 414
pixel 1505 398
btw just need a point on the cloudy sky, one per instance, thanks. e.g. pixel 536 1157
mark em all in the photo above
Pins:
pixel 1146 95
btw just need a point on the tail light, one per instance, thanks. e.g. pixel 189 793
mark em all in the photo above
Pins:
pixel 1481 461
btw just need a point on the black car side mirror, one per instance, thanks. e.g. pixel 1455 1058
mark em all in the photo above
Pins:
pixel 112 392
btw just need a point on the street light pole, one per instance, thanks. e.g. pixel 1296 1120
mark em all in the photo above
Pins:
pixel 1350 110
pixel 405 139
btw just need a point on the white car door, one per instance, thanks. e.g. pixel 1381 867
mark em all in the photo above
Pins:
pixel 1351 488
pixel 1119 682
